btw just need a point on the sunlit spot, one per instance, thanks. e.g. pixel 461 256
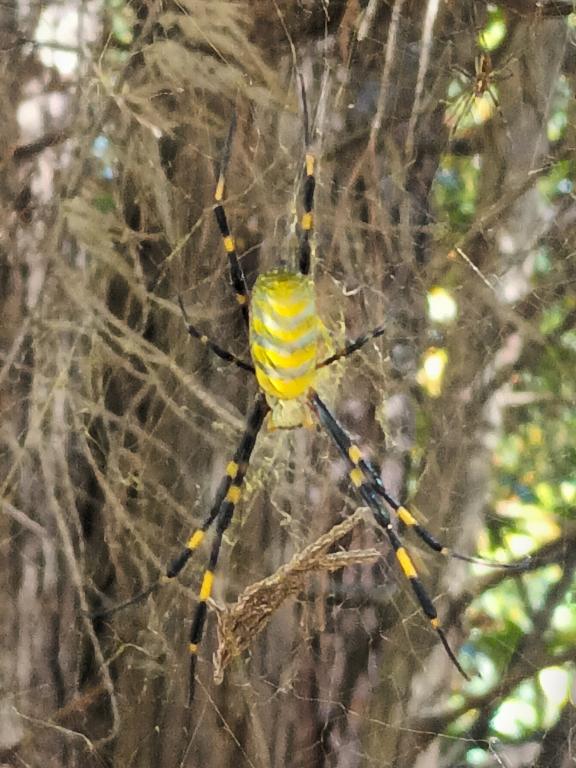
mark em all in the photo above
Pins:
pixel 441 306
pixel 431 374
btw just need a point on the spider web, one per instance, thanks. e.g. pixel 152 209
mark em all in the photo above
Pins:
pixel 118 426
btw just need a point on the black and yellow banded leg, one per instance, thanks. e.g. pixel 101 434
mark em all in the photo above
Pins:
pixel 424 534
pixel 408 569
pixel 227 497
pixel 219 351
pixel 361 479
pixel 224 518
pixel 199 620
pixel 353 346
pixel 229 489
pixel 222 510
pixel 307 222
pixel 407 517
pixel 236 273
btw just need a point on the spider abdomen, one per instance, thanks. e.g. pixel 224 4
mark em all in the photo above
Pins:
pixel 284 333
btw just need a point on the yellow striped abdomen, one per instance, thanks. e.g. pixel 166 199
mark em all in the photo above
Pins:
pixel 284 333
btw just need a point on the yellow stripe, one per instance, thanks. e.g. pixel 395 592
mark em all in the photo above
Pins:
pixel 357 477
pixel 307 220
pixel 310 160
pixel 240 298
pixel 229 244
pixel 406 564
pixel 193 648
pixel 406 517
pixel 354 454
pixel 435 623
pixel 232 469
pixel 285 389
pixel 219 194
pixel 286 308
pixel 278 358
pixel 206 588
pixel 290 335
pixel 195 540
pixel 233 494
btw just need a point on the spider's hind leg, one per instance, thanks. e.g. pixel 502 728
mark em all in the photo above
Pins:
pixel 361 478
pixel 227 497
pixel 222 511
pixel 369 484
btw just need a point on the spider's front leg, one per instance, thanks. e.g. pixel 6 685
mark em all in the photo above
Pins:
pixel 236 272
pixel 307 223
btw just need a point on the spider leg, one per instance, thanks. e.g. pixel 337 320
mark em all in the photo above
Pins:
pixel 423 533
pixel 225 501
pixel 103 613
pixel 307 222
pixel 361 479
pixel 219 351
pixel 461 107
pixel 462 72
pixel 352 346
pixel 222 511
pixel 410 521
pixel 234 477
pixel 236 273
pixel 498 109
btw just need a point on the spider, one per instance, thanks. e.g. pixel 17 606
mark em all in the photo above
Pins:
pixel 285 334
pixel 477 103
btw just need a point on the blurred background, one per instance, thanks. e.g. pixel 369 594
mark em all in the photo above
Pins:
pixel 445 209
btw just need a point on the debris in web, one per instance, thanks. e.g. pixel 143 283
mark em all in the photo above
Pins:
pixel 237 625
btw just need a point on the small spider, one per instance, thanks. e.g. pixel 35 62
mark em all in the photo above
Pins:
pixel 475 104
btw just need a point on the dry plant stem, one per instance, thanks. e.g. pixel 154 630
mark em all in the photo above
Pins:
pixel 34 429
pixel 424 63
pixel 115 503
pixel 24 152
pixel 80 704
pixel 49 460
pixel 133 343
pixel 238 625
pixel 368 19
pixel 67 732
pixel 11 356
pixel 77 175
pixel 225 729
pixel 369 157
pixel 391 43
pixel 24 520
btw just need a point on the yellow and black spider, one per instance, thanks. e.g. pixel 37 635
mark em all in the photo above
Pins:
pixel 285 337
